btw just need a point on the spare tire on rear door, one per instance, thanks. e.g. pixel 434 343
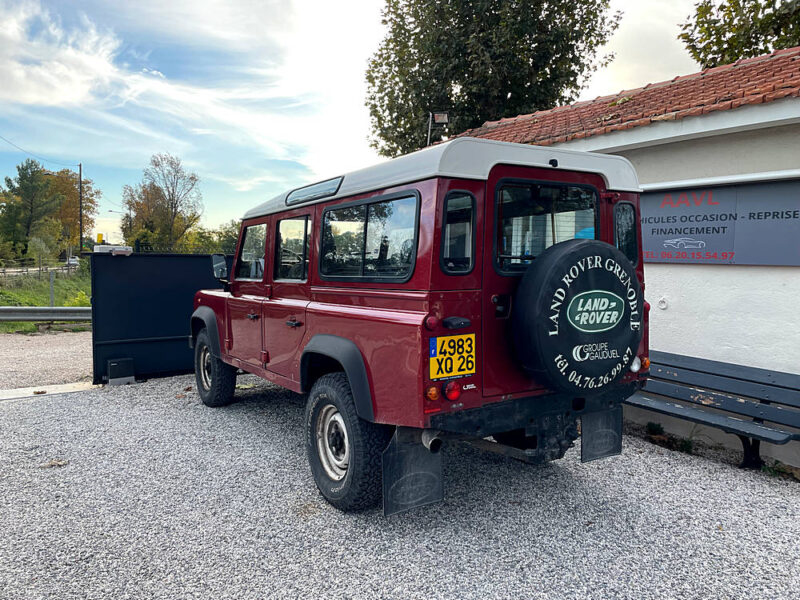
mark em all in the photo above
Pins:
pixel 577 317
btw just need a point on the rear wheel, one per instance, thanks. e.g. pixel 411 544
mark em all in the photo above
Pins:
pixel 344 451
pixel 215 379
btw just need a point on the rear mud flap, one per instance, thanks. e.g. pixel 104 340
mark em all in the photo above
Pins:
pixel 601 434
pixel 412 474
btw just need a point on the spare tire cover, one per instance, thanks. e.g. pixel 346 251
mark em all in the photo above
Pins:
pixel 577 316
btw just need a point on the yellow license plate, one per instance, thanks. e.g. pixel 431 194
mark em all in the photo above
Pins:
pixel 452 356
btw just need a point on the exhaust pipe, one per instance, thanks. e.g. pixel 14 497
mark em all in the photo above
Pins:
pixel 431 440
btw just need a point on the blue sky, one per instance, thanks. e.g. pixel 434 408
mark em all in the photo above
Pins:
pixel 254 96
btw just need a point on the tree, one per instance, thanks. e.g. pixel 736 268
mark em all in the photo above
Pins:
pixel 37 200
pixel 11 233
pixel 198 240
pixel 228 235
pixel 65 183
pixel 720 33
pixel 38 250
pixel 481 60
pixel 48 231
pixel 167 203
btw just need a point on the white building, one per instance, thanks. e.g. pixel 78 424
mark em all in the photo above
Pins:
pixel 724 136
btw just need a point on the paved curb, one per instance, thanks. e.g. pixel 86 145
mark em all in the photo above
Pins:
pixel 29 392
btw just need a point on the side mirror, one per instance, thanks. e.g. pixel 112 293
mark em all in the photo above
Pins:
pixel 219 266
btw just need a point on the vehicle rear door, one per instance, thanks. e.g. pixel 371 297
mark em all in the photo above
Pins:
pixel 285 309
pixel 527 211
pixel 248 291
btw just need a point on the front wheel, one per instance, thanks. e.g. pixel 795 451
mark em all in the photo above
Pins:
pixel 344 451
pixel 216 380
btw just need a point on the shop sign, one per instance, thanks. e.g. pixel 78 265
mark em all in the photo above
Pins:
pixel 752 224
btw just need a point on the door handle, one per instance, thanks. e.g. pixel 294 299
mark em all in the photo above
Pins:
pixel 252 316
pixel 293 322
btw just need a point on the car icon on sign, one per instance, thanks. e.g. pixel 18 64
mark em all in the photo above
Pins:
pixel 684 243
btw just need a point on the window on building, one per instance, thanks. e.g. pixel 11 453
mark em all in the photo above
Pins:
pixel 251 256
pixel 374 241
pixel 625 231
pixel 291 248
pixel 459 229
pixel 533 217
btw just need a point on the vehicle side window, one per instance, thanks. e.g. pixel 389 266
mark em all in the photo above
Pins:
pixel 371 241
pixel 291 249
pixel 459 230
pixel 251 257
pixel 343 242
pixel 625 231
pixel 533 217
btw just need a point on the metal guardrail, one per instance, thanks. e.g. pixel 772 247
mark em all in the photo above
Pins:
pixel 45 313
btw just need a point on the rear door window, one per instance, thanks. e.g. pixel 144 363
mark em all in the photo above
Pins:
pixel 251 256
pixel 458 237
pixel 531 217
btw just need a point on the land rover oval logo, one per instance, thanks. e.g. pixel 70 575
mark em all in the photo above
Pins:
pixel 595 311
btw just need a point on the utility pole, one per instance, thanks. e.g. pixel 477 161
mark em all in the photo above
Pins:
pixel 430 126
pixel 80 208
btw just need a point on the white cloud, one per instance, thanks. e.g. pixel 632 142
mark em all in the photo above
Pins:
pixel 52 67
pixel 309 108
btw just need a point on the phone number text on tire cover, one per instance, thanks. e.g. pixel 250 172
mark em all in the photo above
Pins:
pixel 589 383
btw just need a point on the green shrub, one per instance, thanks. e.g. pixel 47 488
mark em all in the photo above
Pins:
pixel 79 299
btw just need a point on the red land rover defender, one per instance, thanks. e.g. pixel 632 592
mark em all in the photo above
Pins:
pixel 474 290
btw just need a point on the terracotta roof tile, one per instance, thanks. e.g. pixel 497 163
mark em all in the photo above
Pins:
pixel 745 82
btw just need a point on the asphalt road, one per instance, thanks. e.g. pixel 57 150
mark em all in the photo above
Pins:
pixel 141 492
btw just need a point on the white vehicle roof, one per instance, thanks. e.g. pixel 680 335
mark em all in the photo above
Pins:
pixel 465 158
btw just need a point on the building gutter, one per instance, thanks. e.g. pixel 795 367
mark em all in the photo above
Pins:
pixel 704 182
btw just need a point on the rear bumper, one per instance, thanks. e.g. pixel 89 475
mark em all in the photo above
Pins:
pixel 521 413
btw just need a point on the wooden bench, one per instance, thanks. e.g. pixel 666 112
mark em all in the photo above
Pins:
pixel 755 404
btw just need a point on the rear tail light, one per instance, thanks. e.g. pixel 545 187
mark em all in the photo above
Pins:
pixel 432 394
pixel 645 363
pixel 452 390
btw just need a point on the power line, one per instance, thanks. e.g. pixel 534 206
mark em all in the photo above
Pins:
pixel 55 162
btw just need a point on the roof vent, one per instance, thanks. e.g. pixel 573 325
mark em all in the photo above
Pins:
pixel 315 191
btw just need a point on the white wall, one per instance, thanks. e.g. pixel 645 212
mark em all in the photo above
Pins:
pixel 739 314
pixel 773 149
pixel 732 313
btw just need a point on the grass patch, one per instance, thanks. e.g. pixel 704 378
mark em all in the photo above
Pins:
pixel 17 327
pixel 29 290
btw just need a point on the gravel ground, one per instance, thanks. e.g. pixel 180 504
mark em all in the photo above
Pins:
pixel 44 358
pixel 141 492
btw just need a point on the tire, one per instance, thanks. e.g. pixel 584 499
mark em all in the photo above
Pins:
pixel 577 317
pixel 344 451
pixel 216 380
